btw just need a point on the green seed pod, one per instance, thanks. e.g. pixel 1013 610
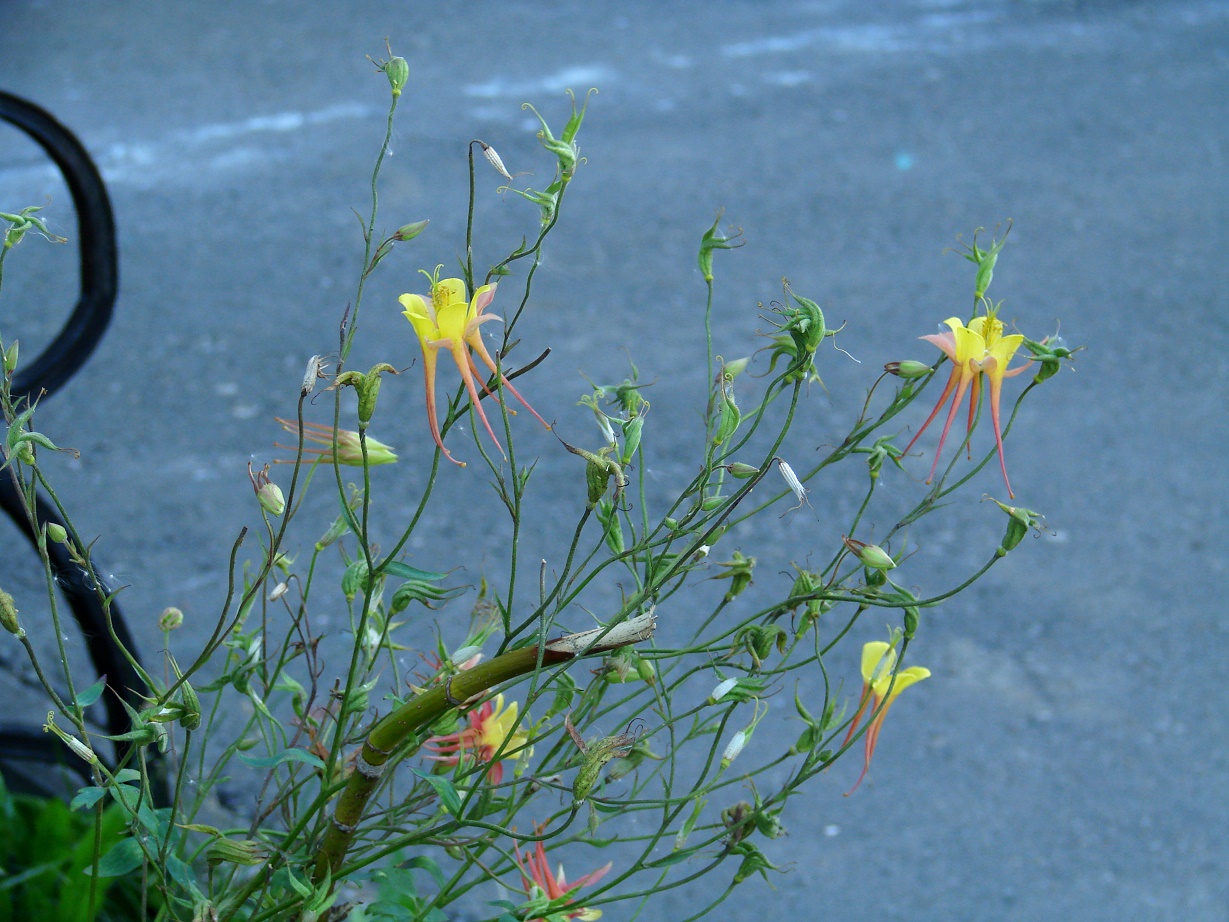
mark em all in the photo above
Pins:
pixel 597 478
pixel 631 439
pixel 354 580
pixel 398 72
pixel 729 420
pixel 8 615
pixel 742 471
pixel 912 616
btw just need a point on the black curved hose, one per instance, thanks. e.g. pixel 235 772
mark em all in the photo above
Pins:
pixel 48 373
pixel 99 257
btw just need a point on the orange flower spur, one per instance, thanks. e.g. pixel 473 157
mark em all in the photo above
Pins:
pixel 537 876
pixel 878 661
pixel 974 350
pixel 446 320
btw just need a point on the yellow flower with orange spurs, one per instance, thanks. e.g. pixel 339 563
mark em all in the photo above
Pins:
pixel 879 687
pixel 491 737
pixel 539 881
pixel 977 349
pixel 446 320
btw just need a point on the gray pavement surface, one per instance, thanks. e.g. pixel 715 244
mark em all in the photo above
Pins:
pixel 1068 760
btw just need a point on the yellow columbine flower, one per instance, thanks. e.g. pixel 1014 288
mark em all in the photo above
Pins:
pixel 878 661
pixel 446 320
pixel 489 734
pixel 980 348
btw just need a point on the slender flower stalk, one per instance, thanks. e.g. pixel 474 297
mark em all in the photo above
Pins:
pixel 878 662
pixel 977 349
pixel 446 320
pixel 538 879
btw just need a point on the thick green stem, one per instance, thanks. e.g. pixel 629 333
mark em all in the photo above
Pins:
pixel 391 732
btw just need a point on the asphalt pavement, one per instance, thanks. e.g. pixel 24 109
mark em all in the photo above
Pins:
pixel 1068 759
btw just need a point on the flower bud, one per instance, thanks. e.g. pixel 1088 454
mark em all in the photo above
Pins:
pixel 872 556
pixel 56 533
pixel 733 369
pixel 912 616
pixel 908 369
pixel 10 358
pixel 410 231
pixel 8 615
pixel 742 471
pixel 170 619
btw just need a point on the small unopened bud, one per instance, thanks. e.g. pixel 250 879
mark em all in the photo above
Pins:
pixel 10 358
pixel 170 619
pixel 56 533
pixel 733 369
pixel 646 670
pixel 8 615
pixel 742 471
pixel 493 159
pixel 410 231
pixel 872 556
pixel 908 369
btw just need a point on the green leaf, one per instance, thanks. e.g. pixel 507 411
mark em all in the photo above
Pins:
pixel 87 797
pixel 123 859
pixel 675 857
pixel 181 873
pixel 443 787
pixel 405 571
pixel 286 755
pixel 93 693
pixel 424 863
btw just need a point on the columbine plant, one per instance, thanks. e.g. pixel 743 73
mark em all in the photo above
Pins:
pixel 385 788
